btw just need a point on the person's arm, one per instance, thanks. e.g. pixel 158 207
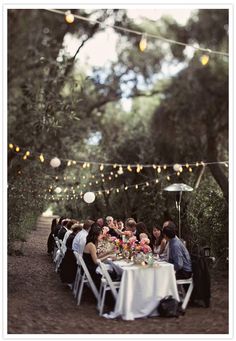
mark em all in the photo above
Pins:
pixel 177 257
pixel 162 246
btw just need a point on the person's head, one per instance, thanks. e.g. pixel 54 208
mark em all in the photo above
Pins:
pixel 169 229
pixel 100 222
pixel 76 228
pixel 130 225
pixel 54 222
pixel 64 222
pixel 60 220
pixel 70 223
pixel 94 234
pixel 87 224
pixel 120 224
pixel 109 220
pixel 141 228
pixel 156 232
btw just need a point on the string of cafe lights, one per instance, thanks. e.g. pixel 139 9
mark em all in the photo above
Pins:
pixel 55 162
pixel 70 18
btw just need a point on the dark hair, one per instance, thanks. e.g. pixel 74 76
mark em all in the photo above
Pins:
pixel 169 232
pixel 141 228
pixel 60 220
pixel 155 241
pixel 54 224
pixel 76 227
pixel 93 234
pixel 87 224
pixel 65 222
pixel 70 223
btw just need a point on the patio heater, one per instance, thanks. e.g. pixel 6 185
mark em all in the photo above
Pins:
pixel 179 188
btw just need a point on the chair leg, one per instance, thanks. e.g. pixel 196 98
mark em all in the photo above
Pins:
pixel 80 291
pixel 102 301
pixel 187 296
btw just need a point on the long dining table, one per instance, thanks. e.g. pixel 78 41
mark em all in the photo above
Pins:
pixel 141 288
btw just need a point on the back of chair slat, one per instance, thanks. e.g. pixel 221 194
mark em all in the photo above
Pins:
pixel 87 274
pixel 107 276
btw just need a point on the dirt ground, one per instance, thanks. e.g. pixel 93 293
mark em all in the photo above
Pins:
pixel 38 303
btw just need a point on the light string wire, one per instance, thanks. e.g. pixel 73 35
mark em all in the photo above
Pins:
pixel 118 164
pixel 140 33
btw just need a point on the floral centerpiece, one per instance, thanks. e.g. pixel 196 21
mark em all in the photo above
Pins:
pixel 106 242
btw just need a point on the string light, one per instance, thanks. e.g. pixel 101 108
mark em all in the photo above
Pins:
pixel 190 169
pixel 69 163
pixel 69 17
pixel 24 157
pixel 136 186
pixel 41 157
pixel 84 165
pixel 154 166
pixel 11 146
pixel 168 178
pixel 159 169
pixel 129 168
pixel 204 59
pixel 101 167
pixel 154 36
pixel 17 149
pixel 143 43
pixel 187 165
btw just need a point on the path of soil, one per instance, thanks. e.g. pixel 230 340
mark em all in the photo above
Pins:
pixel 38 303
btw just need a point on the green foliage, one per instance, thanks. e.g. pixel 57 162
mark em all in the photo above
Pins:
pixel 55 108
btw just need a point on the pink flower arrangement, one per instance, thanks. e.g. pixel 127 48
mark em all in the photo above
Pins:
pixel 144 241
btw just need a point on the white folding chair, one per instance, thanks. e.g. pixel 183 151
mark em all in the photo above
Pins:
pixel 106 285
pixel 78 275
pixel 59 254
pixel 187 295
pixel 86 278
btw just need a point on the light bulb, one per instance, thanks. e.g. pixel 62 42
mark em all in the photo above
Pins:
pixel 69 17
pixel 11 146
pixel 101 167
pixel 129 168
pixel 143 43
pixel 204 59
pixel 17 149
pixel 41 157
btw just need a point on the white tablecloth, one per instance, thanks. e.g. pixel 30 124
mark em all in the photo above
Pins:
pixel 142 288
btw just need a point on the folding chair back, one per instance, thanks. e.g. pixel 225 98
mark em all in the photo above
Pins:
pixel 106 285
pixel 86 278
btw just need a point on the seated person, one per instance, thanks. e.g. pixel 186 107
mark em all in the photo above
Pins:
pixel 178 253
pixel 158 242
pixel 90 253
pixel 141 231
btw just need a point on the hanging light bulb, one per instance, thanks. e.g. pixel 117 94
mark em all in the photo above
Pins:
pixel 115 165
pixel 197 164
pixel 27 153
pixel 204 59
pixel 177 167
pixel 24 157
pixel 41 157
pixel 129 168
pixel 178 173
pixel 136 186
pixel 154 166
pixel 102 175
pixel 11 146
pixel 159 169
pixel 69 163
pixel 190 169
pixel 168 178
pixel 69 17
pixel 138 169
pixel 117 190
pixel 126 187
pixel 187 165
pixel 17 149
pixel 147 183
pixel 164 166
pixel 74 162
pixel 143 43
pixel 88 164
pixel 84 165
pixel 101 167
pixel 120 171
